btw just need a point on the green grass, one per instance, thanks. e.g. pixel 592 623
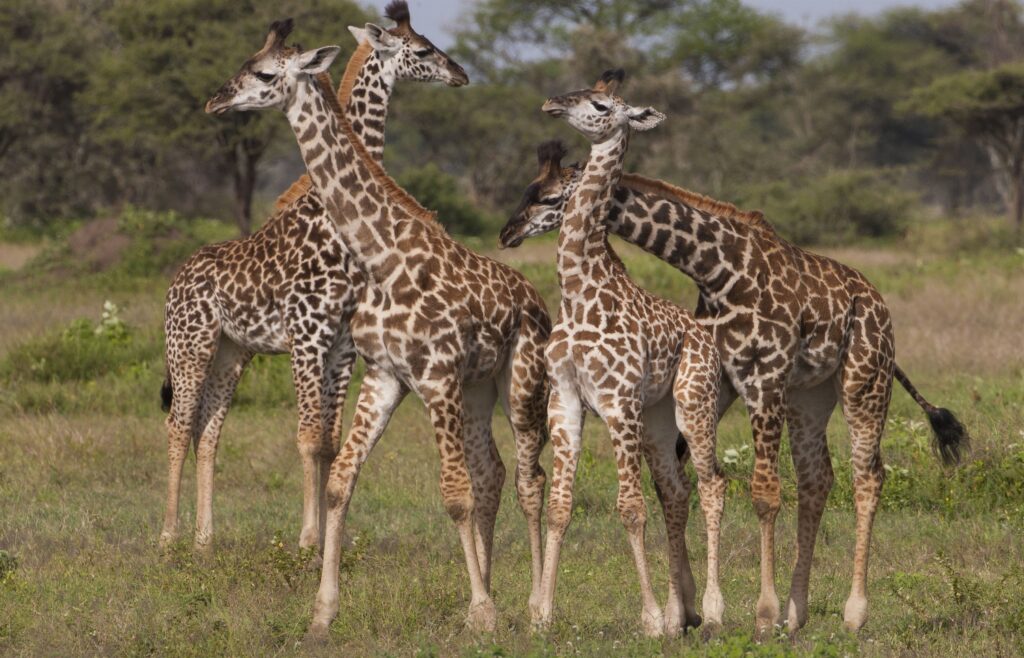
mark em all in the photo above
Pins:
pixel 82 477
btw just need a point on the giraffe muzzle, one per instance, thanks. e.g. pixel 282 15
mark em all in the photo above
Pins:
pixel 554 107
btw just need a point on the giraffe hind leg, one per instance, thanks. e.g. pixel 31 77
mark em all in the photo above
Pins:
pixel 188 365
pixel 807 417
pixel 486 469
pixel 225 372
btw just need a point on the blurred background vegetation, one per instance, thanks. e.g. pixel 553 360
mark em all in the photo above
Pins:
pixel 847 130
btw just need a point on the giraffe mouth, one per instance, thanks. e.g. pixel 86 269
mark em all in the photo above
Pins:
pixel 217 106
pixel 553 108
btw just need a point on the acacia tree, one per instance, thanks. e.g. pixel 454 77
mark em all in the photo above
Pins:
pixel 168 56
pixel 989 107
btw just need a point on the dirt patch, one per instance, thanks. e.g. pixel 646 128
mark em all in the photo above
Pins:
pixel 98 245
pixel 15 256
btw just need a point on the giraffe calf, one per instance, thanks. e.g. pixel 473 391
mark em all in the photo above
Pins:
pixel 641 363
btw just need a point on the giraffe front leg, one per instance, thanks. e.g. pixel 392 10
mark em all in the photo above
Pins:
pixel 766 420
pixel 565 423
pixel 308 361
pixel 337 375
pixel 627 431
pixel 379 396
pixel 445 402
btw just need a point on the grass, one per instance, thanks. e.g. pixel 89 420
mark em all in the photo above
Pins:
pixel 82 477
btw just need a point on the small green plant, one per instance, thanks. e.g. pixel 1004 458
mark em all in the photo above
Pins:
pixel 8 565
pixel 290 566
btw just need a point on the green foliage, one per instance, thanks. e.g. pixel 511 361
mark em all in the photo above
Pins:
pixel 8 565
pixel 438 191
pixel 83 351
pixel 838 207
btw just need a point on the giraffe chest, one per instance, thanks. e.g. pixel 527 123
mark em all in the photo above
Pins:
pixel 622 356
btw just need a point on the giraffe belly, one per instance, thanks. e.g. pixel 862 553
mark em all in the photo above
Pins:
pixel 266 335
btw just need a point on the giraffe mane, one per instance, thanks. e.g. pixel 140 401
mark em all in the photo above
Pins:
pixel 752 218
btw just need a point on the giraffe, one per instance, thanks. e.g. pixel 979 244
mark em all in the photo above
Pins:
pixel 797 333
pixel 288 288
pixel 639 362
pixel 459 330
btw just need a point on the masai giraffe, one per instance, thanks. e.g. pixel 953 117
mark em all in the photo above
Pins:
pixel 289 288
pixel 642 364
pixel 797 333
pixel 458 329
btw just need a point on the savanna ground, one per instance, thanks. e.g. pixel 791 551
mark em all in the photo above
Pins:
pixel 82 477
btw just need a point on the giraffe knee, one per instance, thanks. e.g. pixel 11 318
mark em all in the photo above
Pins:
pixel 633 514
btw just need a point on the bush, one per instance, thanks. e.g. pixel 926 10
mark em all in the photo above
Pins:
pixel 835 208
pixel 83 351
pixel 438 191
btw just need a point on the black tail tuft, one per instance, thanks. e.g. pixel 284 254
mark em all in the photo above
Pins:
pixel 951 439
pixel 166 394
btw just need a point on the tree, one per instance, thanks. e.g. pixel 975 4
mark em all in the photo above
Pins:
pixel 46 163
pixel 167 59
pixel 988 106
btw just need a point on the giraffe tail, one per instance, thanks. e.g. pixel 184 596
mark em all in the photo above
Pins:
pixel 950 439
pixel 166 394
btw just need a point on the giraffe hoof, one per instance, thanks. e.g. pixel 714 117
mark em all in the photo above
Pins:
pixel 653 623
pixel 710 631
pixel 482 617
pixel 856 614
pixel 317 633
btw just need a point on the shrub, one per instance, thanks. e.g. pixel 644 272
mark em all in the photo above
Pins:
pixel 834 208
pixel 82 351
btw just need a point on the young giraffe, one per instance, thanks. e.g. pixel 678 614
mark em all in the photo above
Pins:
pixel 457 329
pixel 289 287
pixel 797 332
pixel 641 363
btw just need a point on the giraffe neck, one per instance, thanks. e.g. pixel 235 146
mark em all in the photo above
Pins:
pixel 354 190
pixel 710 248
pixel 367 103
pixel 584 257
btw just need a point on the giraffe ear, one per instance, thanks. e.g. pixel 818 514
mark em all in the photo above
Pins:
pixel 644 118
pixel 316 61
pixel 358 32
pixel 382 40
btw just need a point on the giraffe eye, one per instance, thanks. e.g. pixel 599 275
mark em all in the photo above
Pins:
pixel 422 53
pixel 599 107
pixel 550 201
pixel 265 77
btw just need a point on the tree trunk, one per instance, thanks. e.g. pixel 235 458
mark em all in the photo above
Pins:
pixel 1018 208
pixel 245 184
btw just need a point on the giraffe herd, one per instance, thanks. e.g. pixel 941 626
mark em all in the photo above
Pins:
pixel 351 265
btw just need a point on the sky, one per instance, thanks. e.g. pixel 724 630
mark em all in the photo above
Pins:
pixel 436 18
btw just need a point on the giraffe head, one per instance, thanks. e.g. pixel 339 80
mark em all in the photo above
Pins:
pixel 408 55
pixel 544 200
pixel 268 78
pixel 598 113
